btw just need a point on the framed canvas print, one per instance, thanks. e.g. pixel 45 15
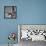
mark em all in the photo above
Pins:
pixel 10 12
pixel 31 34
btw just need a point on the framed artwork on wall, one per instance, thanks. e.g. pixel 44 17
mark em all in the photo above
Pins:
pixel 33 32
pixel 10 12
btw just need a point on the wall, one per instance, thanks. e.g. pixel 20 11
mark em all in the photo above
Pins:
pixel 28 12
pixel 6 25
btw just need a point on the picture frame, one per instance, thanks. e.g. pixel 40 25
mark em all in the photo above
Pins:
pixel 34 30
pixel 10 12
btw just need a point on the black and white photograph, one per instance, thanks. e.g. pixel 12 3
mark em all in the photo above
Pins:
pixel 10 12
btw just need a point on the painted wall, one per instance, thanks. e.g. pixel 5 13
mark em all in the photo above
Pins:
pixel 28 12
